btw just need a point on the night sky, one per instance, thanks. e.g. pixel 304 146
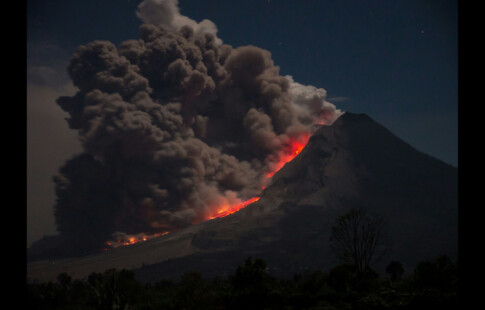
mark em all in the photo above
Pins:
pixel 396 61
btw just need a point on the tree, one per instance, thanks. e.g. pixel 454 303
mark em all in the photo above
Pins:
pixel 440 274
pixel 64 279
pixel 395 270
pixel 251 285
pixel 250 275
pixel 356 237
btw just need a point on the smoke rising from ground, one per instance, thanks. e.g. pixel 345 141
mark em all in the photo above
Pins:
pixel 174 125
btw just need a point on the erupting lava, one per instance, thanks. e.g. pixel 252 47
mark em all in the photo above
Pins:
pixel 226 210
pixel 132 239
pixel 294 147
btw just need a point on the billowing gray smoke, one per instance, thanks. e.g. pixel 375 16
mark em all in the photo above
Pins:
pixel 174 125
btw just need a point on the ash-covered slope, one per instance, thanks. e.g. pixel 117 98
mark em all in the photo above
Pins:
pixel 353 163
pixel 358 163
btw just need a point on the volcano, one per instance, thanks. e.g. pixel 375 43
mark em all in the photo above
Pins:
pixel 354 163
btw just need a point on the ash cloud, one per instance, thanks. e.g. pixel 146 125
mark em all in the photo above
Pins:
pixel 166 12
pixel 173 125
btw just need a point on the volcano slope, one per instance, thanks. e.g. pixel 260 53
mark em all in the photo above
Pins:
pixel 354 163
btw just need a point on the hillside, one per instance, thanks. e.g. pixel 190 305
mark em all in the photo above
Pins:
pixel 354 163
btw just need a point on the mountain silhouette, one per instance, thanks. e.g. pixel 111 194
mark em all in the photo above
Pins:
pixel 354 163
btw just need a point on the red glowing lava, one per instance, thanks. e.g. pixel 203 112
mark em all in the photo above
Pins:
pixel 132 239
pixel 292 149
pixel 226 210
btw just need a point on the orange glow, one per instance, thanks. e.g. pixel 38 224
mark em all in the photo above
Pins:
pixel 226 210
pixel 132 239
pixel 294 147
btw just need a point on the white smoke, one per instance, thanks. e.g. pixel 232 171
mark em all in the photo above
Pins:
pixel 310 102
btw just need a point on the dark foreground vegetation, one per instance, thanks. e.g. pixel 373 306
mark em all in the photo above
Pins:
pixel 432 284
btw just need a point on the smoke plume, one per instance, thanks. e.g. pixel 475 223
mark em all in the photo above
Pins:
pixel 174 125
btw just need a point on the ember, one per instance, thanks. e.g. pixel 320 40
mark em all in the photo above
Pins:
pixel 122 239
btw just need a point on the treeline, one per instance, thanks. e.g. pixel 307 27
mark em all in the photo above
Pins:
pixel 432 284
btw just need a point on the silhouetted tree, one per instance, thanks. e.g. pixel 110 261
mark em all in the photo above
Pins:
pixel 439 274
pixel 251 284
pixel 195 293
pixel 395 270
pixel 341 276
pixel 355 238
pixel 347 279
pixel 433 285
pixel 114 289
pixel 64 279
pixel 250 274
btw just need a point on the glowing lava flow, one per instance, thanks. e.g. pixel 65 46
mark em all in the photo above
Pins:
pixel 294 147
pixel 132 239
pixel 226 210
